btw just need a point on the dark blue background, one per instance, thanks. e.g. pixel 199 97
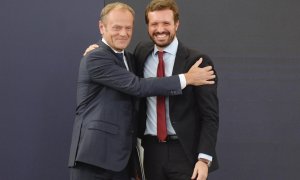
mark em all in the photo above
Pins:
pixel 254 44
pixel 41 45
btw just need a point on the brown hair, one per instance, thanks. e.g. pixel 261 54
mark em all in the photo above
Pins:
pixel 156 5
pixel 115 5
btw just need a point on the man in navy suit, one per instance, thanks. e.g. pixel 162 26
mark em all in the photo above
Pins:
pixel 104 130
pixel 187 150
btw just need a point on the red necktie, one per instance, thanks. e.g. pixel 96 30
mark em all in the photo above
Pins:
pixel 160 104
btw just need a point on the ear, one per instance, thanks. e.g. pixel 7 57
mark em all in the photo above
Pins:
pixel 177 25
pixel 101 27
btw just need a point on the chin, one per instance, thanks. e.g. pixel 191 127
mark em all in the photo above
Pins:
pixel 162 44
pixel 121 47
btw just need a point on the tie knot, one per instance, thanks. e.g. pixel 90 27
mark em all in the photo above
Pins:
pixel 160 54
pixel 120 56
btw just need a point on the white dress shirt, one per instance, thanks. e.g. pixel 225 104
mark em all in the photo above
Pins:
pixel 124 58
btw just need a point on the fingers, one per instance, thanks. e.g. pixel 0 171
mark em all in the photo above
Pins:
pixel 91 47
pixel 207 68
pixel 210 73
pixel 85 52
pixel 197 63
pixel 200 171
pixel 197 175
pixel 209 82
pixel 94 46
pixel 194 174
pixel 212 76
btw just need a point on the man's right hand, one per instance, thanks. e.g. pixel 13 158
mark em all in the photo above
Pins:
pixel 91 47
pixel 200 76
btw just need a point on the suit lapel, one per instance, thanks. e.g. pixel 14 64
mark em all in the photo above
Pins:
pixel 147 50
pixel 179 68
pixel 130 62
pixel 104 46
pixel 180 60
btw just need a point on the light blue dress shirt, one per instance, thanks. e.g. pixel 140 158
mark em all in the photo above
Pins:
pixel 150 70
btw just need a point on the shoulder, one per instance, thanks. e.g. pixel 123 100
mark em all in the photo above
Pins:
pixel 98 57
pixel 193 54
pixel 144 44
pixel 99 53
pixel 129 56
pixel 142 49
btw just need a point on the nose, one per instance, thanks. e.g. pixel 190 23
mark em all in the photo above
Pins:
pixel 123 32
pixel 160 28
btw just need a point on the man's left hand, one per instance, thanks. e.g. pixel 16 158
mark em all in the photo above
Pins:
pixel 200 171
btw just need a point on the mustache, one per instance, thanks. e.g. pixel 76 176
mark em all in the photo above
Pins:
pixel 161 33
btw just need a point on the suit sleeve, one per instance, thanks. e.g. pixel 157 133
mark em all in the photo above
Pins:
pixel 103 69
pixel 208 105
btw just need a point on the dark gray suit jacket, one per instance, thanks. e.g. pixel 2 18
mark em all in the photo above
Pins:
pixel 104 127
pixel 194 114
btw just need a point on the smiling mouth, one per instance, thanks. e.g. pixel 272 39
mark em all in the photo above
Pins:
pixel 122 40
pixel 161 35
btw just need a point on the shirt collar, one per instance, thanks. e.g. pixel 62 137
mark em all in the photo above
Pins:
pixel 104 41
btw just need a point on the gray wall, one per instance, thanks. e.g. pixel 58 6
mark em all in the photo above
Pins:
pixel 41 43
pixel 255 46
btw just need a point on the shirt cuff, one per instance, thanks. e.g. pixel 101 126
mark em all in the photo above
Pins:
pixel 182 81
pixel 205 156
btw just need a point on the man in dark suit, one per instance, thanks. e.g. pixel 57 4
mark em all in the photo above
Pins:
pixel 104 127
pixel 187 148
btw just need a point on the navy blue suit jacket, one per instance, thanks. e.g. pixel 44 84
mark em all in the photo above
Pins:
pixel 194 114
pixel 104 127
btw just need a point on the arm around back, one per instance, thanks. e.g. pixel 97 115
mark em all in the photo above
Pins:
pixel 103 68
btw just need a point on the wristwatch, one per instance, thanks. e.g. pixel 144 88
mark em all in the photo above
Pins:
pixel 207 162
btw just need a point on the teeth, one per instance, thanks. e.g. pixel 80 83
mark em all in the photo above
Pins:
pixel 161 36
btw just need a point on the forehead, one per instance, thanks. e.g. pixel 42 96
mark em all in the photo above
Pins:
pixel 119 16
pixel 161 15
